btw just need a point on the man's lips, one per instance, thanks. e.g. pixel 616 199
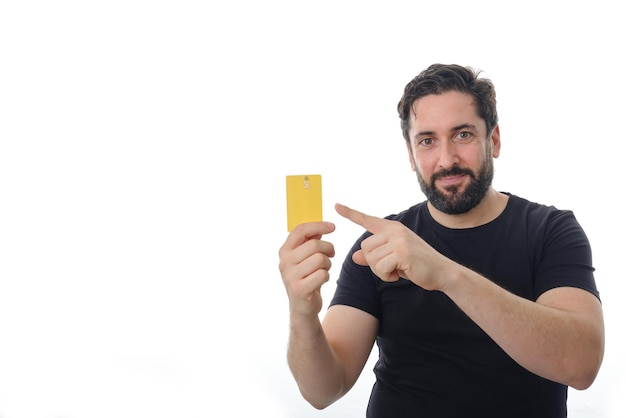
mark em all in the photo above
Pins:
pixel 448 180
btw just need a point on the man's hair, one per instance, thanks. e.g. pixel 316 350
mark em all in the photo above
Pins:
pixel 441 78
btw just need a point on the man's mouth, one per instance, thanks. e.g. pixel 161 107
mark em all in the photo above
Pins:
pixel 451 180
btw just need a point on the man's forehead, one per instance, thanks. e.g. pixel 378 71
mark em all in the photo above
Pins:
pixel 447 100
pixel 452 107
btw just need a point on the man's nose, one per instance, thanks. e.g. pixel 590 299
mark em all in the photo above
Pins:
pixel 448 156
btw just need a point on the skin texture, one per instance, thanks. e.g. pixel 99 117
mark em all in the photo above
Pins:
pixel 559 337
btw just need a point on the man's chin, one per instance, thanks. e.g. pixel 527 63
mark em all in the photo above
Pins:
pixel 451 193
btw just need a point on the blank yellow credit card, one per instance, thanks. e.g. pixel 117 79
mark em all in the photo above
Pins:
pixel 304 199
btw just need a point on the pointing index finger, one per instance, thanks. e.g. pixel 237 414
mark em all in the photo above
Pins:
pixel 372 223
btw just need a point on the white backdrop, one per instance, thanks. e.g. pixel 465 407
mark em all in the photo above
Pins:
pixel 143 149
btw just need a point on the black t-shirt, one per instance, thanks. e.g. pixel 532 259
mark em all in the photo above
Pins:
pixel 436 362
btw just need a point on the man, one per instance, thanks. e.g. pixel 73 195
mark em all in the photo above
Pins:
pixel 482 304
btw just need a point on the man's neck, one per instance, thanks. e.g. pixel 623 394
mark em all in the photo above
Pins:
pixel 487 210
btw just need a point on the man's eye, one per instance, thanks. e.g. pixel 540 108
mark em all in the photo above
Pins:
pixel 464 135
pixel 426 142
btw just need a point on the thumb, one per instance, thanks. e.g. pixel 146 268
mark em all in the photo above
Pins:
pixel 359 258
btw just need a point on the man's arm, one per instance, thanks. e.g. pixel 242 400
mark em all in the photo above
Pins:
pixel 559 337
pixel 325 360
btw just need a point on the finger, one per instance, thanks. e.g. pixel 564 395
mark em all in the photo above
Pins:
pixel 312 264
pixel 381 267
pixel 386 269
pixel 306 231
pixel 313 246
pixel 359 258
pixel 291 256
pixel 371 223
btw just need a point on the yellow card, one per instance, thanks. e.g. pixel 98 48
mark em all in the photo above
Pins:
pixel 304 199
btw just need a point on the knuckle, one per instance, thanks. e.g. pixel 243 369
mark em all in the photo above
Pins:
pixel 282 266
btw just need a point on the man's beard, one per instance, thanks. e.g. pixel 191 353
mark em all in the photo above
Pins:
pixel 454 202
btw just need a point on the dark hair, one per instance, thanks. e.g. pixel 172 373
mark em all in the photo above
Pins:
pixel 440 78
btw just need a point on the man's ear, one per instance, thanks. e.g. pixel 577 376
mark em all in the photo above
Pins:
pixel 495 142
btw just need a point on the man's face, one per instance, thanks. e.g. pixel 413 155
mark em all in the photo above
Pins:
pixel 450 152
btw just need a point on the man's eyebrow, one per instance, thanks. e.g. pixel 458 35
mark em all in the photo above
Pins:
pixel 424 133
pixel 465 126
pixel 454 129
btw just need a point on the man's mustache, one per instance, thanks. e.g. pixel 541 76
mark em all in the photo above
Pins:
pixel 454 171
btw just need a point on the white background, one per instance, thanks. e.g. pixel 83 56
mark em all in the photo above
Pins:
pixel 143 149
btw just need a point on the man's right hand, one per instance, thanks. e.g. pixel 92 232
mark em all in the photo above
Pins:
pixel 304 264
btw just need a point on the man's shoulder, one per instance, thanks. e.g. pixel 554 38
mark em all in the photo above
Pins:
pixel 538 214
pixel 519 203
